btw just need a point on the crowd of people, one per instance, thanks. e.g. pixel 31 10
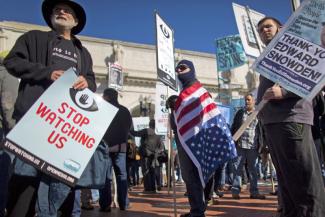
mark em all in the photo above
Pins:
pixel 284 131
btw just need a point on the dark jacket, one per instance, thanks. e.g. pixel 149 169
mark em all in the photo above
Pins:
pixel 8 91
pixel 238 121
pixel 30 60
pixel 290 109
pixel 118 131
pixel 319 116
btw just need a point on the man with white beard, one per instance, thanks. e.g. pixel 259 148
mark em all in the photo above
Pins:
pixel 39 58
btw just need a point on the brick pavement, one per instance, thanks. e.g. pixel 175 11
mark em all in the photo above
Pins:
pixel 161 205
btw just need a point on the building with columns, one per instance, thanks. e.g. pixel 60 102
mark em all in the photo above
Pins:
pixel 139 67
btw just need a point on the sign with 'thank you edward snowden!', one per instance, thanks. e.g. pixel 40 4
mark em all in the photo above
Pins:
pixel 165 53
pixel 295 58
pixel 60 132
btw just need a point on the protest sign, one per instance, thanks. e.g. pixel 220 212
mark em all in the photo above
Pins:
pixel 295 58
pixel 60 132
pixel 140 123
pixel 245 28
pixel 115 78
pixel 161 112
pixel 165 53
pixel 230 53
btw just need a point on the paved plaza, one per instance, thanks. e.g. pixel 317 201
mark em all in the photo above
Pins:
pixel 161 204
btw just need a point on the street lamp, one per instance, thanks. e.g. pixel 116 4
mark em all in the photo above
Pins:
pixel 145 105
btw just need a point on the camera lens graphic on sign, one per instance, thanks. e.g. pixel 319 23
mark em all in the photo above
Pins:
pixel 164 31
pixel 83 100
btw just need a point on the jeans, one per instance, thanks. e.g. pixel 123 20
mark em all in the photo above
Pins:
pixel 50 196
pixel 193 184
pixel 94 195
pixel 76 211
pixel 117 161
pixel 251 156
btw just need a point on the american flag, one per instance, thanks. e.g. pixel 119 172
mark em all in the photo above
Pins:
pixel 203 131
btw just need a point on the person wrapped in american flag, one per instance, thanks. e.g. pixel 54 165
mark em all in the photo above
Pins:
pixel 202 131
pixel 203 138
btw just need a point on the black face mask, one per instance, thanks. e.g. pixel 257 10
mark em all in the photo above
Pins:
pixel 186 77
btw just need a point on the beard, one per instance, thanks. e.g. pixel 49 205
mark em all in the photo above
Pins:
pixel 66 24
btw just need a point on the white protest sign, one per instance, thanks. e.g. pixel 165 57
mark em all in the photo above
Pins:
pixel 295 58
pixel 140 123
pixel 115 78
pixel 60 132
pixel 165 53
pixel 245 29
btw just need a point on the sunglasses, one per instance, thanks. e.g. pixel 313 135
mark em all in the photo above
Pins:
pixel 181 67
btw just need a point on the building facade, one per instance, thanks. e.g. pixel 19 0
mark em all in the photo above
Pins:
pixel 139 68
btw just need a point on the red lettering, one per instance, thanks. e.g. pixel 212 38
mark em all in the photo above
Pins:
pixel 59 122
pixel 73 131
pixel 63 130
pixel 72 110
pixel 52 140
pixel 83 139
pixel 41 111
pixel 64 105
pixel 51 117
pixel 62 140
pixel 85 121
pixel 90 143
pixel 77 118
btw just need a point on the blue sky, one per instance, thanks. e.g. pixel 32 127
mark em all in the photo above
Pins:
pixel 196 23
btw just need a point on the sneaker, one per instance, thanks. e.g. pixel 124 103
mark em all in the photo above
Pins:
pixel 219 194
pixel 106 209
pixel 215 196
pixel 236 196
pixel 257 196
pixel 209 202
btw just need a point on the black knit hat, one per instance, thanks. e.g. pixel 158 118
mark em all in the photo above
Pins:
pixel 47 10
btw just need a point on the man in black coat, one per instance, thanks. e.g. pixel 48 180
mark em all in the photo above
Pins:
pixel 39 58
pixel 116 138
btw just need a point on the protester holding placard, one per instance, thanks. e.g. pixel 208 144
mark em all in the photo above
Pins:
pixel 38 59
pixel 287 120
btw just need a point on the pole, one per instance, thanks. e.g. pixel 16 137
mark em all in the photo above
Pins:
pixel 253 29
pixel 171 172
pixel 295 4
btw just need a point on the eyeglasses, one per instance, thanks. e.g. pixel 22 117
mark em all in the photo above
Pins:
pixel 65 10
pixel 267 26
